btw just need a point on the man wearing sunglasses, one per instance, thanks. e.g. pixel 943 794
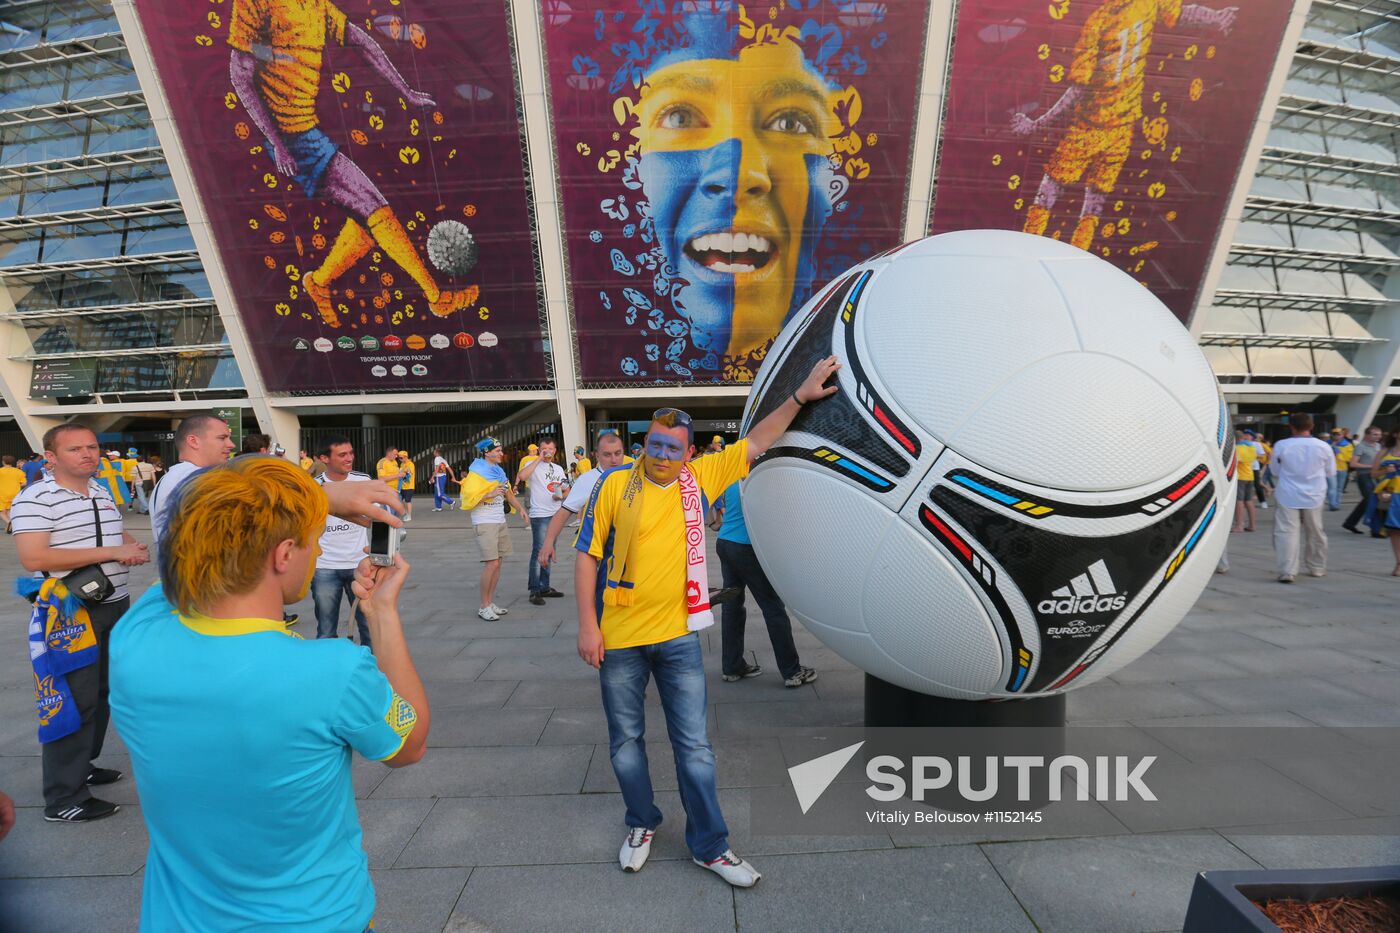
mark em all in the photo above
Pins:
pixel 642 595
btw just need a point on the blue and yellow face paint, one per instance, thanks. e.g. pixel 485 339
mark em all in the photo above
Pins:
pixel 734 149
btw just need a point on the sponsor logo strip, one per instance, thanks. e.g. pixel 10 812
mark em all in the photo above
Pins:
pixel 1012 499
pixel 834 461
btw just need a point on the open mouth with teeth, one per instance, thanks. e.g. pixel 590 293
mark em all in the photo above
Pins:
pixel 730 252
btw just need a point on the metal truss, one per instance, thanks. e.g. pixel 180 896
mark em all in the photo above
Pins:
pixel 144 307
pixel 1289 257
pixel 64 50
pixel 108 214
pixel 1287 341
pixel 1381 9
pixel 1325 53
pixel 1312 108
pixel 1331 211
pixel 195 349
pixel 66 109
pixel 1294 301
pixel 41 270
pixel 93 164
pixel 1300 161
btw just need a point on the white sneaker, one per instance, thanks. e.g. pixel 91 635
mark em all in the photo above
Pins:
pixel 732 869
pixel 408 518
pixel 487 614
pixel 635 848
pixel 498 610
pixel 575 523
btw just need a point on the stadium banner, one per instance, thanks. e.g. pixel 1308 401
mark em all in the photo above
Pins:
pixel 1115 125
pixel 719 163
pixel 362 170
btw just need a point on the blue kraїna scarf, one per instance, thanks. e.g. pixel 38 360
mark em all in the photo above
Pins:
pixel 61 639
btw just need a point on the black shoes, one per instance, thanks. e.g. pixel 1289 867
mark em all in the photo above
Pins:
pixel 537 599
pixel 552 593
pixel 1353 529
pixel 85 812
pixel 290 618
pixel 103 776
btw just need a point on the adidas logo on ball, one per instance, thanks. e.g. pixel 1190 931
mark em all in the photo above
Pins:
pixel 1091 591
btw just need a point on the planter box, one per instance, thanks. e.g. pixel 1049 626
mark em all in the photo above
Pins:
pixel 1222 901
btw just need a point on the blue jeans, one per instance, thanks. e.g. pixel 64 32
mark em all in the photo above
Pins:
pixel 539 576
pixel 326 589
pixel 678 668
pixel 1334 490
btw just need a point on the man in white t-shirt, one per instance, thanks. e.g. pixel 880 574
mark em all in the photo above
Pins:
pixel 1301 467
pixel 608 454
pixel 342 544
pixel 203 441
pixel 546 487
pixel 489 520
pixel 442 475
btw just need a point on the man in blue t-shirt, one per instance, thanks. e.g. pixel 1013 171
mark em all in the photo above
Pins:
pixel 241 733
pixel 33 469
pixel 739 564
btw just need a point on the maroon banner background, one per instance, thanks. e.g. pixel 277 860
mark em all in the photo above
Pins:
pixel 1200 94
pixel 639 318
pixel 459 158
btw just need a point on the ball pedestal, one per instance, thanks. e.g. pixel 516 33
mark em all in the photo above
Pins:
pixel 888 705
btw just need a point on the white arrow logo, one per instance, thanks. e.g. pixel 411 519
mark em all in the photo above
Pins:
pixel 811 778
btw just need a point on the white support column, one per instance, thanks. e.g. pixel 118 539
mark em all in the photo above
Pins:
pixel 1383 359
pixel 1254 151
pixel 283 425
pixel 539 144
pixel 928 119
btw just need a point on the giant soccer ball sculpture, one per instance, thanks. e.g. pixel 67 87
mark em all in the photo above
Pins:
pixel 1024 483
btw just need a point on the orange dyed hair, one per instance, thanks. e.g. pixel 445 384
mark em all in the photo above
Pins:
pixel 227 519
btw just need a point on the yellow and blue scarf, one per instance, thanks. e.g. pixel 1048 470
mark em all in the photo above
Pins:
pixel 61 640
pixel 481 480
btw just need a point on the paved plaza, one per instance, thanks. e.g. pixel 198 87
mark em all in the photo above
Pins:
pixel 512 821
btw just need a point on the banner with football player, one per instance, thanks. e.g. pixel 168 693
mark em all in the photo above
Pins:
pixel 718 162
pixel 363 173
pixel 1115 125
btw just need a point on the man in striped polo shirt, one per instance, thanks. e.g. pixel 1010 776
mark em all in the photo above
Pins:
pixel 62 522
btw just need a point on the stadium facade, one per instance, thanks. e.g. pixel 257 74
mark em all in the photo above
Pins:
pixel 154 259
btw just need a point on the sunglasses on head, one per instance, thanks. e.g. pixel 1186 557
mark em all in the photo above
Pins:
pixel 670 417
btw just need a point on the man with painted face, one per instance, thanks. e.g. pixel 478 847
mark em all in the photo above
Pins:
pixel 734 147
pixel 642 594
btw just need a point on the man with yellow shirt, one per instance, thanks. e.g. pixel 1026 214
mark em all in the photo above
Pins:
pixel 1246 456
pixel 11 482
pixel 643 594
pixel 275 66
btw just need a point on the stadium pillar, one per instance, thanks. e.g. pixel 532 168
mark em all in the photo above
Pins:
pixel 1383 359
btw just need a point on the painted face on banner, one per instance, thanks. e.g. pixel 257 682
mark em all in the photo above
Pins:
pixel 734 164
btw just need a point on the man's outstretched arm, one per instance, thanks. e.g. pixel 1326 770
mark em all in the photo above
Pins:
pixel 1197 15
pixel 762 435
pixel 373 54
pixel 242 71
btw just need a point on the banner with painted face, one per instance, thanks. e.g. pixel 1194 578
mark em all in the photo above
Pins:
pixel 362 169
pixel 718 163
pixel 1115 125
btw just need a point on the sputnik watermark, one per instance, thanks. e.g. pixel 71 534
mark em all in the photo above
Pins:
pixel 1102 778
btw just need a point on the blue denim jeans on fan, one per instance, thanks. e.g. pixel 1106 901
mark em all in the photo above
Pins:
pixel 539 576
pixel 1334 491
pixel 327 586
pixel 678 668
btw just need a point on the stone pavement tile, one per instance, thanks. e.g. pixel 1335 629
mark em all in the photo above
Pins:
pixel 416 900
pixel 509 627
pixel 736 761
pixel 840 685
pixel 1339 636
pixel 474 772
pixel 1116 701
pixel 1175 668
pixel 447 695
pixel 388 824
pixel 547 668
pixel 39 849
pixel 1180 641
pixel 735 802
pixel 1370 715
pixel 1124 884
pixel 70 905
pixel 545 830
pixel 597 897
pixel 1194 795
pixel 1379 845
pixel 1292 662
pixel 439 669
pixel 1268 694
pixel 1380 653
pixel 957 889
pixel 1362 783
pixel 1380 685
pixel 367 775
pixel 1065 819
pixel 483 727
pixel 588 725
pixel 758 720
pixel 521 648
pixel 572 692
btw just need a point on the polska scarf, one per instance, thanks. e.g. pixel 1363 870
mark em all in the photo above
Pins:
pixel 620 587
pixel 61 639
pixel 481 480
